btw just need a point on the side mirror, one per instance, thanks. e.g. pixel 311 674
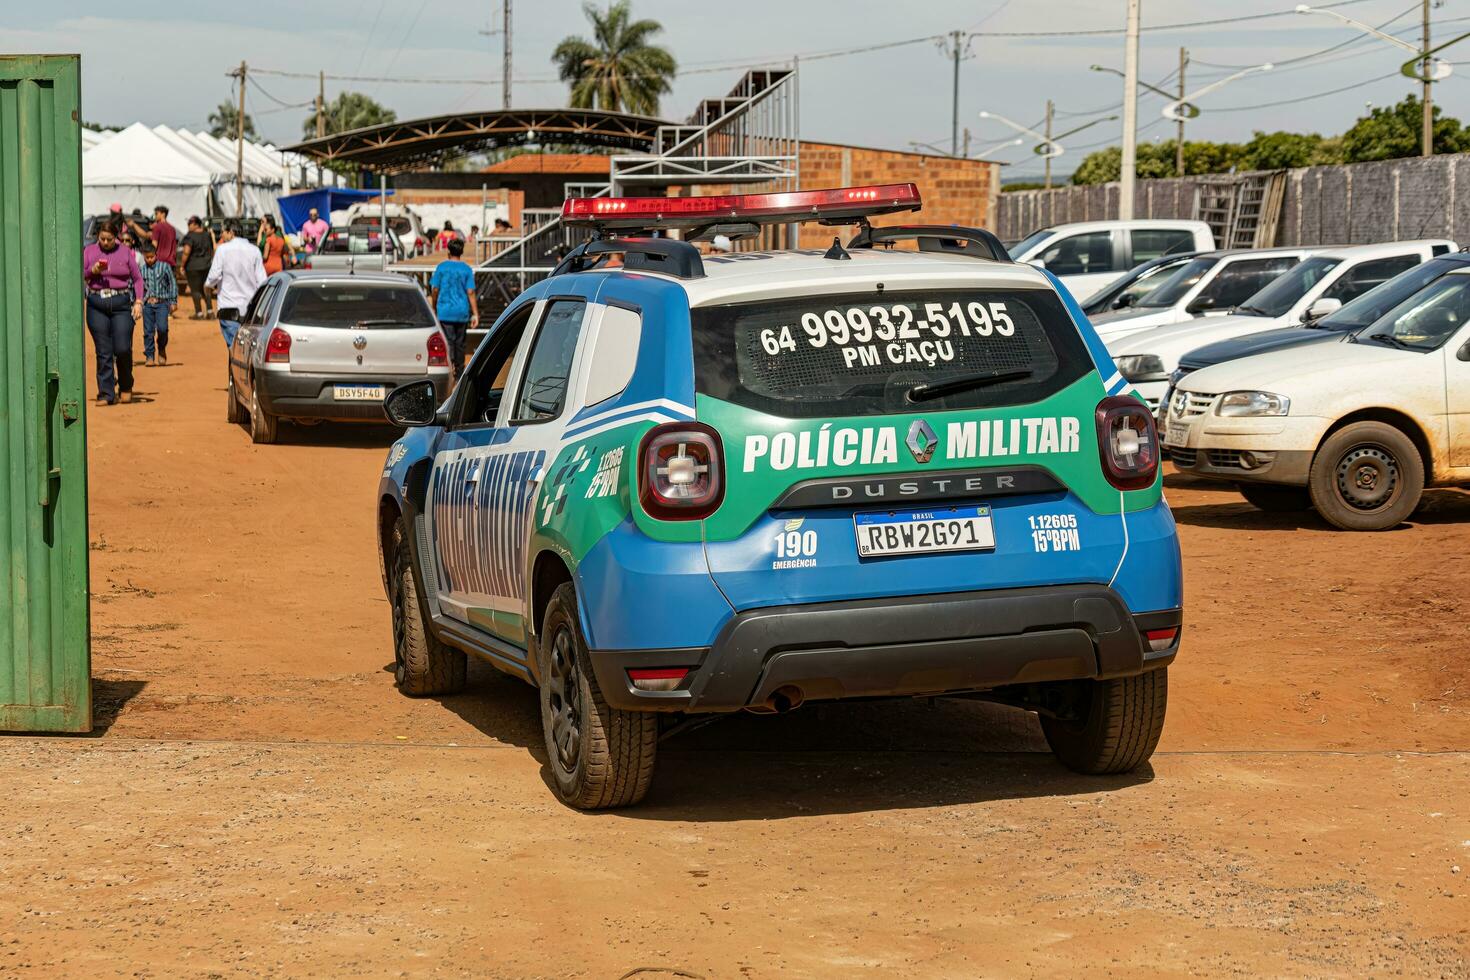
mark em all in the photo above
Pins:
pixel 412 405
pixel 1200 305
pixel 1464 352
pixel 1323 307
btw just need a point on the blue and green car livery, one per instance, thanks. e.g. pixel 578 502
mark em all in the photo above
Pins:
pixel 684 484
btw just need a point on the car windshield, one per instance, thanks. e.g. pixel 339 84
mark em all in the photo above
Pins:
pixel 356 240
pixel 1377 301
pixel 876 352
pixel 1424 321
pixel 1289 287
pixel 351 304
pixel 1030 241
pixel 1181 281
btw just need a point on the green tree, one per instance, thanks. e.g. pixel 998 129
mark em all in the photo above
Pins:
pixel 224 122
pixel 1281 150
pixel 618 68
pixel 349 110
pixel 1394 132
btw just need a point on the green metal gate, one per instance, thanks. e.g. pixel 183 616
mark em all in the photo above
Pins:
pixel 45 653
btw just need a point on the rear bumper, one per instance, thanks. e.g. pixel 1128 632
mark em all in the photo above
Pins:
pixel 310 395
pixel 899 647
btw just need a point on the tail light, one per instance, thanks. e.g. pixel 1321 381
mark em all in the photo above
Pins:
pixel 1128 442
pixel 438 350
pixel 1161 639
pixel 278 347
pixel 681 471
pixel 657 678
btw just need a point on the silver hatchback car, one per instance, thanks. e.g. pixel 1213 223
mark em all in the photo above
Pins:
pixel 331 345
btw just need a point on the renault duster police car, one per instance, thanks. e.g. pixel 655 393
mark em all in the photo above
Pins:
pixel 671 484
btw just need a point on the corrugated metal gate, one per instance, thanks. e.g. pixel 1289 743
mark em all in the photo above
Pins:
pixel 45 653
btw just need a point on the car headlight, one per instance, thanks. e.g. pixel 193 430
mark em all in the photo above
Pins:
pixel 1142 367
pixel 1248 404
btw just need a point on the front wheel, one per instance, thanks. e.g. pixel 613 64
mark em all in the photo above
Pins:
pixel 1118 724
pixel 600 757
pixel 1274 498
pixel 1367 476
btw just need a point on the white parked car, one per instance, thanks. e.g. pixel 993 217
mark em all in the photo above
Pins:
pixel 1089 255
pixel 1355 429
pixel 1212 283
pixel 1312 288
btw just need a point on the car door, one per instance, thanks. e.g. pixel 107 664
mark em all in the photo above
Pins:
pixel 245 337
pixel 1457 397
pixel 486 473
pixel 1365 275
pixel 1086 262
pixel 1237 280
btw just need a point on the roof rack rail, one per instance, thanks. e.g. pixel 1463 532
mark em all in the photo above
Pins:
pixel 674 258
pixel 953 239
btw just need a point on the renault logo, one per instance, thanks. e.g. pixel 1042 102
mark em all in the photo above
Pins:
pixel 922 441
pixel 359 341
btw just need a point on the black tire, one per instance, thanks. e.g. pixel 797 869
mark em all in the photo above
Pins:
pixel 422 665
pixel 1274 498
pixel 600 757
pixel 1367 476
pixel 264 427
pixel 234 414
pixel 1119 728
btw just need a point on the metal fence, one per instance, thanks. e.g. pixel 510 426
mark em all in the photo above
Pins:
pixel 1346 204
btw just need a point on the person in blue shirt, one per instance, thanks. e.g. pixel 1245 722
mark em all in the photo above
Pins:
pixel 452 292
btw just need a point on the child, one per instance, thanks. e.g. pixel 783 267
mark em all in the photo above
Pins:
pixel 452 294
pixel 160 298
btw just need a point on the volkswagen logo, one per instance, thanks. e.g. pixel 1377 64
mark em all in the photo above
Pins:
pixel 922 441
pixel 360 341
pixel 1176 408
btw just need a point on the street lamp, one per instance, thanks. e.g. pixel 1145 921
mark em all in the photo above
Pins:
pixel 1190 111
pixel 1423 67
pixel 1175 110
pixel 1052 147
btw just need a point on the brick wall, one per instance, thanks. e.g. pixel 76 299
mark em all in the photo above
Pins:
pixel 954 191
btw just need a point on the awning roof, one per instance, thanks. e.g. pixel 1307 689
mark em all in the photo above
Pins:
pixel 419 143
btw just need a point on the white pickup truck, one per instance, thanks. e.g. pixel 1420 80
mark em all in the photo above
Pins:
pixel 1089 255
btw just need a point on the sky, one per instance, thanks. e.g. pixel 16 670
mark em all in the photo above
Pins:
pixel 167 62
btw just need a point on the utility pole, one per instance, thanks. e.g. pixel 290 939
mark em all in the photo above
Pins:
pixel 967 142
pixel 1129 172
pixel 1179 139
pixel 321 104
pixel 954 132
pixel 1426 139
pixel 505 68
pixel 240 148
pixel 1050 107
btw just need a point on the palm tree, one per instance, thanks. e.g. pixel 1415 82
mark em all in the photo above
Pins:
pixel 618 69
pixel 224 121
pixel 349 110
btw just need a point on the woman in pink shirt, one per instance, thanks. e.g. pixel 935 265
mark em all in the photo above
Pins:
pixel 114 303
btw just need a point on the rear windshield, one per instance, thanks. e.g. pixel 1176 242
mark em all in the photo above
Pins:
pixel 869 354
pixel 349 304
pixel 353 241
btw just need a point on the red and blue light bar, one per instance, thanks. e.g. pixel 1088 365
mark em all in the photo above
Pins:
pixel 838 205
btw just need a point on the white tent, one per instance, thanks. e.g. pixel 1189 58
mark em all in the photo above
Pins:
pixel 137 168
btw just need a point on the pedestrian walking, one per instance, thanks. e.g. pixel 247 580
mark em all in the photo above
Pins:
pixel 446 236
pixel 452 293
pixel 235 274
pixel 160 298
pixel 114 303
pixel 196 257
pixel 314 232
pixel 274 250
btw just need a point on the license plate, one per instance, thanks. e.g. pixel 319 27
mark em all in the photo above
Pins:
pixel 924 531
pixel 1177 435
pixel 358 393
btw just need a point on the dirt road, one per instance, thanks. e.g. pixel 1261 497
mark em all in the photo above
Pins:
pixel 261 801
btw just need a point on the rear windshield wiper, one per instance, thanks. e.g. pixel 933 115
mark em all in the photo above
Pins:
pixel 370 324
pixel 928 391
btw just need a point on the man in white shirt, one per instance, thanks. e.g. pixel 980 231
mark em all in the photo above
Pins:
pixel 235 274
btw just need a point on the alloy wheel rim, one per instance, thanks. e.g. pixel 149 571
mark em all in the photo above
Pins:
pixel 565 700
pixel 1367 477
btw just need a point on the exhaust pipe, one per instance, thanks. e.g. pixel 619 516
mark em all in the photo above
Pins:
pixel 787 697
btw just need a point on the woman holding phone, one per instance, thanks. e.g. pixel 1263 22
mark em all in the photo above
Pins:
pixel 114 303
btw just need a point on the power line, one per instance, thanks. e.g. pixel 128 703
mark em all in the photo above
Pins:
pixel 1117 31
pixel 1304 98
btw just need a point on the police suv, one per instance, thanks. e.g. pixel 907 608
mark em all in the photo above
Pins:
pixel 671 484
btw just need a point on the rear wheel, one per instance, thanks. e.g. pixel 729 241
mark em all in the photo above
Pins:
pixel 1117 727
pixel 264 427
pixel 422 665
pixel 600 757
pixel 1274 498
pixel 1367 476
